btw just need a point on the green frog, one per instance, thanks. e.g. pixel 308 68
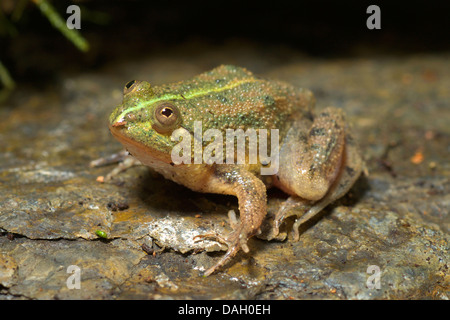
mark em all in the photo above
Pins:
pixel 318 162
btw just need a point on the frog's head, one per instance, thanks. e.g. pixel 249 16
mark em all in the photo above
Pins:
pixel 146 119
pixel 226 97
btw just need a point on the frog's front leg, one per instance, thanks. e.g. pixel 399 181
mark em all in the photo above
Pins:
pixel 320 166
pixel 124 160
pixel 251 194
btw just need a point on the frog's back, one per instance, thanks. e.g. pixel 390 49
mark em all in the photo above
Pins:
pixel 230 97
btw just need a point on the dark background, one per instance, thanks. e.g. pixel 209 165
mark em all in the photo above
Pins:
pixel 129 29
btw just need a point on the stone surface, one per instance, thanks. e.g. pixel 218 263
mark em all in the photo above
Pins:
pixel 396 218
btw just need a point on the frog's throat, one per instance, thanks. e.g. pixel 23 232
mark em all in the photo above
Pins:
pixel 185 96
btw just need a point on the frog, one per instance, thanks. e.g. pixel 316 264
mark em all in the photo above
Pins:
pixel 319 160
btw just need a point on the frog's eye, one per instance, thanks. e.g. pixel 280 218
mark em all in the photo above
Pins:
pixel 167 118
pixel 143 88
pixel 130 84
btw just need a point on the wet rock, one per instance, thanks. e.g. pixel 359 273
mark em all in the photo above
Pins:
pixel 392 227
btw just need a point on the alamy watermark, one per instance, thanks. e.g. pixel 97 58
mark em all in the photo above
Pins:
pixel 74 20
pixel 214 153
pixel 74 280
pixel 374 280
pixel 374 20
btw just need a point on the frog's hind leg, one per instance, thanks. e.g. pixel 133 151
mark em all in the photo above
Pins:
pixel 350 169
pixel 349 174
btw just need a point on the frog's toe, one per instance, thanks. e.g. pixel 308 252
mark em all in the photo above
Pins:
pixel 234 222
pixel 295 232
pixel 124 160
pixel 111 159
pixel 235 241
pixel 212 236
pixel 279 217
pixel 275 234
pixel 232 250
pixel 271 231
pixel 243 242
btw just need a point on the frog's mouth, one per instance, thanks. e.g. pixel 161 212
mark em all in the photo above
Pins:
pixel 143 153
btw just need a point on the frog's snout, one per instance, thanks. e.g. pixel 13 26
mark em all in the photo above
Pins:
pixel 120 117
pixel 117 122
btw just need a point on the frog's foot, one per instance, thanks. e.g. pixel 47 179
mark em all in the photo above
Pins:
pixel 235 241
pixel 310 209
pixel 292 206
pixel 124 160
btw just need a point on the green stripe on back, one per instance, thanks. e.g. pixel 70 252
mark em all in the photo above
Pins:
pixel 193 94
